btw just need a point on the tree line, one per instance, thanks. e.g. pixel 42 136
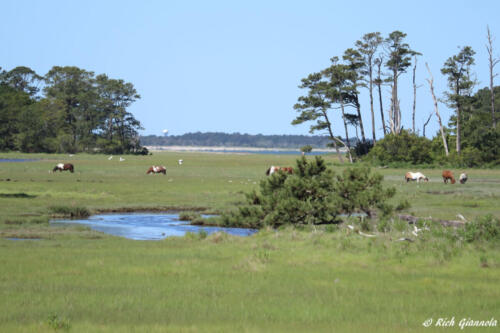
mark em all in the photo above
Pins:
pixel 68 110
pixel 376 61
pixel 237 140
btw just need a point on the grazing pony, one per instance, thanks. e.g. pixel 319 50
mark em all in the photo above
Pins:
pixel 448 175
pixel 275 168
pixel 463 178
pixel 64 166
pixel 157 169
pixel 418 176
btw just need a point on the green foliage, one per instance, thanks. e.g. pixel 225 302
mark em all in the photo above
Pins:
pixel 306 149
pixel 399 52
pixel 480 141
pixel 78 112
pixel 12 103
pixel 485 228
pixel 357 189
pixel 38 127
pixel 312 195
pixel 404 147
pixel 457 70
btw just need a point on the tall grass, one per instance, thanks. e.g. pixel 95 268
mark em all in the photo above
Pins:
pixel 68 211
pixel 285 280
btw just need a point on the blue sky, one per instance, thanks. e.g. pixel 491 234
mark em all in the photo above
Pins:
pixel 235 66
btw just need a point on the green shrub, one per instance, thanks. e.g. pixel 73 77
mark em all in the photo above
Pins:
pixel 404 147
pixel 312 195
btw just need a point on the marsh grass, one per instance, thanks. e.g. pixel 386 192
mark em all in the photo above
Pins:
pixel 278 280
pixel 189 216
pixel 57 323
pixel 67 211
pixel 319 279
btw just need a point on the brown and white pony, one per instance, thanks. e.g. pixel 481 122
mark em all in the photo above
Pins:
pixel 463 178
pixel 448 175
pixel 157 169
pixel 418 176
pixel 275 168
pixel 63 167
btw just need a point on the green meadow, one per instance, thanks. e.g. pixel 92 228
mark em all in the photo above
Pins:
pixel 311 280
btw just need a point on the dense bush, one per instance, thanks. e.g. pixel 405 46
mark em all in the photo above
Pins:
pixel 405 147
pixel 362 148
pixel 312 195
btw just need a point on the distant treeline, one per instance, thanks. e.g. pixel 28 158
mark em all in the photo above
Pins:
pixel 218 139
pixel 67 110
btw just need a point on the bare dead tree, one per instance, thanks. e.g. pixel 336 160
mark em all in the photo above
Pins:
pixel 492 62
pixel 425 124
pixel 431 85
pixel 378 82
pixel 414 94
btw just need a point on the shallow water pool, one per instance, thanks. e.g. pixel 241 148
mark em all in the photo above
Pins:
pixel 147 226
pixel 5 160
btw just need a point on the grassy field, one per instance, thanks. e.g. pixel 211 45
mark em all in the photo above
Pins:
pixel 286 280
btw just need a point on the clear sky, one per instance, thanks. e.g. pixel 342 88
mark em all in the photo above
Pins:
pixel 235 66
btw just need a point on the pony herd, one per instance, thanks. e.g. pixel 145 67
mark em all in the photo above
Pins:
pixel 70 167
pixel 447 176
pixel 409 176
pixel 154 169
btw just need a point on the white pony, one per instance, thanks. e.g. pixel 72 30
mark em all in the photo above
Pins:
pixel 415 176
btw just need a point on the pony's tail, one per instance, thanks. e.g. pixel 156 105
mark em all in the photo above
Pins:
pixel 268 171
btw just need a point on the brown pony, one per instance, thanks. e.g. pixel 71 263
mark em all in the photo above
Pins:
pixel 157 169
pixel 275 168
pixel 64 166
pixel 448 175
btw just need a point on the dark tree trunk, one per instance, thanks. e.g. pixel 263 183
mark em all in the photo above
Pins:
pixel 371 102
pixel 329 125
pixel 358 109
pixel 345 126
